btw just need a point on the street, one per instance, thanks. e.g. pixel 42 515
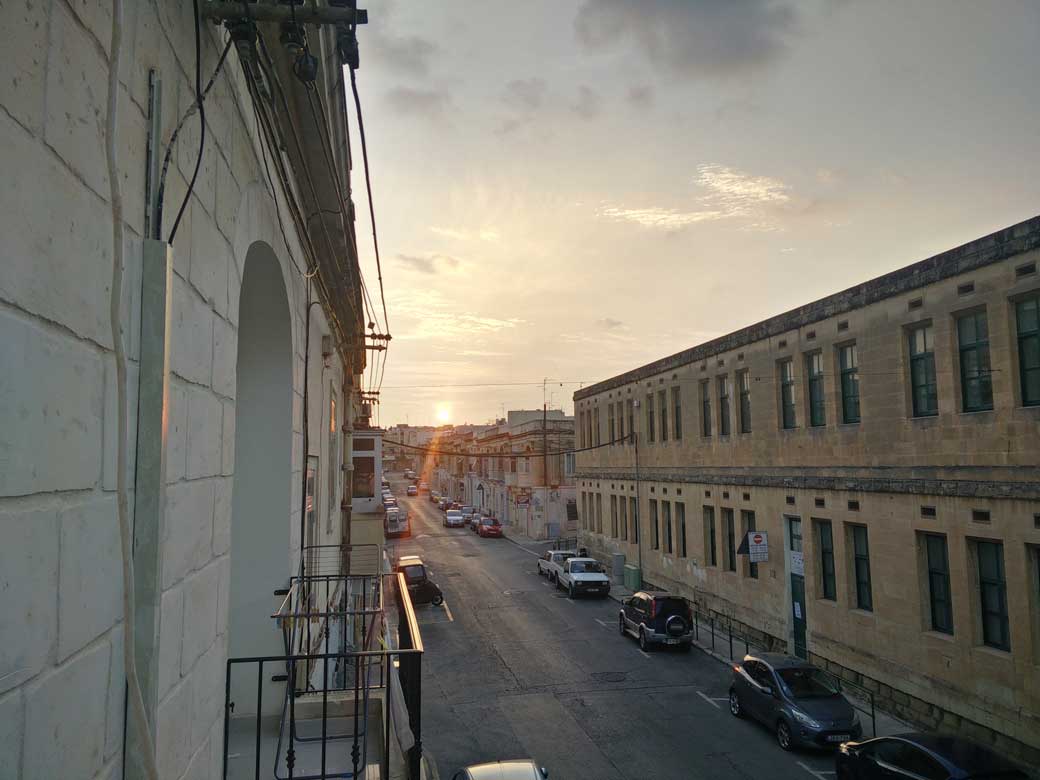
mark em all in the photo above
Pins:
pixel 514 669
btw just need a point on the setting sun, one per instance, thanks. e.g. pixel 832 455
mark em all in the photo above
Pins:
pixel 443 413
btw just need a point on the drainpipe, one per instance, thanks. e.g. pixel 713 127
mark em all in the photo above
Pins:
pixel 306 426
pixel 346 505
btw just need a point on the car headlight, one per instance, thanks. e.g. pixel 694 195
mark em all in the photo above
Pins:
pixel 804 719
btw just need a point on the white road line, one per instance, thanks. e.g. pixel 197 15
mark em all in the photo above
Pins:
pixel 820 773
pixel 603 623
pixel 708 699
pixel 448 613
pixel 645 655
pixel 546 584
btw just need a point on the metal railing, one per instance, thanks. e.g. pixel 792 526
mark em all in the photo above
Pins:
pixel 341 559
pixel 339 654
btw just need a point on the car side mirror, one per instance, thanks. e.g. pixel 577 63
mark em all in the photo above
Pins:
pixel 767 690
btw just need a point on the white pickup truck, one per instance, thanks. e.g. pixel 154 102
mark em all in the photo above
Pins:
pixel 550 564
pixel 583 577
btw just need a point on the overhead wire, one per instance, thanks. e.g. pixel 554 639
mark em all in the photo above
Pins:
pixel 501 455
pixel 202 122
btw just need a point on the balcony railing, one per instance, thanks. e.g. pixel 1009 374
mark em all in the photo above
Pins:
pixel 347 687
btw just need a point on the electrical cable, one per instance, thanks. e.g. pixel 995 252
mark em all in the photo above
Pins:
pixel 161 191
pixel 431 451
pixel 133 683
pixel 202 122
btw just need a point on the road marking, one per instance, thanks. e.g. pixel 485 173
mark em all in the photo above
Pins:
pixel 546 584
pixel 645 655
pixel 603 623
pixel 708 699
pixel 448 612
pixel 820 773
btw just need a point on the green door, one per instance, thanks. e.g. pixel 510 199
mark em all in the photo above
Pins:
pixel 797 566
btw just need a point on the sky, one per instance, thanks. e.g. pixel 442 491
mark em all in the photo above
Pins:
pixel 568 189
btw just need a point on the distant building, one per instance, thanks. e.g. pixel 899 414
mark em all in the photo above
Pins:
pixel 884 442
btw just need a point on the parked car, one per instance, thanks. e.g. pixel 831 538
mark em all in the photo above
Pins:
pixel 396 524
pixel 444 504
pixel 922 755
pixel 800 702
pixel 435 497
pixel 517 769
pixel 412 490
pixel 583 576
pixel 551 562
pixel 421 588
pixel 489 526
pixel 424 487
pixel 656 617
pixel 467 513
pixel 453 519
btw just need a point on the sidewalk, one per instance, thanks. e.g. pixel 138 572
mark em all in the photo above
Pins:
pixel 534 546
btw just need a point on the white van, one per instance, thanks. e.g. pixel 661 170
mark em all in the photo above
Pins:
pixel 396 524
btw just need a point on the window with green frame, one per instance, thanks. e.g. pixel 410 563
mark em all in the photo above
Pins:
pixel 662 414
pixel 1027 316
pixel 731 540
pixel 848 365
pixel 680 525
pixel 939 601
pixel 650 418
pixel 814 370
pixel 710 555
pixel 666 522
pixel 705 408
pixel 747 518
pixel 655 532
pixel 744 384
pixel 827 579
pixel 677 409
pixel 861 566
pixel 993 595
pixel 973 346
pixel 787 415
pixel 723 382
pixel 623 517
pixel 923 389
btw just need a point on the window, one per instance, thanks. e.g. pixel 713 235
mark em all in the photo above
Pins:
pixel 655 532
pixel 993 595
pixel 973 346
pixel 677 413
pixel 631 416
pixel 711 559
pixel 744 385
pixel 730 549
pixel 826 538
pixel 923 392
pixel 787 415
pixel 335 460
pixel 595 426
pixel 584 510
pixel 705 408
pixel 621 422
pixel 633 511
pixel 861 566
pixel 613 517
pixel 610 424
pixel 662 412
pixel 1027 317
pixel 680 525
pixel 814 370
pixel 940 605
pixel 650 418
pixel 747 524
pixel 623 517
pixel 599 513
pixel 364 482
pixel 581 429
pixel 666 521
pixel 723 382
pixel 848 362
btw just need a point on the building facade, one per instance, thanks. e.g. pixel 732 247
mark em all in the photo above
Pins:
pixel 884 443
pixel 244 344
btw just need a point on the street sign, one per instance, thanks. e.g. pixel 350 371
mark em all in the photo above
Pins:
pixel 758 546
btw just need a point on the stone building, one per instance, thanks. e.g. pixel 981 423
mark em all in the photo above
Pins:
pixel 884 442
pixel 245 343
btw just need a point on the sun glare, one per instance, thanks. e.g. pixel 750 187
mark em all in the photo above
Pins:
pixel 443 413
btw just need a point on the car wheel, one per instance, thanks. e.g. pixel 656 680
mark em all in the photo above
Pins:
pixel 643 644
pixel 621 625
pixel 570 591
pixel 783 735
pixel 437 600
pixel 734 704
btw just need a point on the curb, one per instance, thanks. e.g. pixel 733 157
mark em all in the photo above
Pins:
pixel 522 547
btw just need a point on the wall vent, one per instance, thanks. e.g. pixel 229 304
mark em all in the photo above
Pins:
pixel 790 500
pixel 1025 270
pixel 843 325
pixel 854 506
pixel 916 303
pixel 810 335
pixel 747 496
pixel 820 502
pixel 928 511
pixel 980 515
pixel 781 344
pixel 966 289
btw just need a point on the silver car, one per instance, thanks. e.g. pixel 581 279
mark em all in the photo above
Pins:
pixel 517 769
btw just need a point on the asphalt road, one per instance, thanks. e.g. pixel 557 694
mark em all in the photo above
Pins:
pixel 514 669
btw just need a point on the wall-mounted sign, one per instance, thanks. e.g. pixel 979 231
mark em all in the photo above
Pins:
pixel 797 563
pixel 755 545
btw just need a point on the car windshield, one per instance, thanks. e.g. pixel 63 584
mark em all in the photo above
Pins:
pixel 489 521
pixel 414 573
pixel 807 682
pixel 586 567
pixel 561 557
pixel 467 510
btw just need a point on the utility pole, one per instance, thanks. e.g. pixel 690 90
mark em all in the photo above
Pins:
pixel 545 462
pixel 639 535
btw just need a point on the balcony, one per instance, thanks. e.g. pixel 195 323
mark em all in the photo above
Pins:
pixel 347 689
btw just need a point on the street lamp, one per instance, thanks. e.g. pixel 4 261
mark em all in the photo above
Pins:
pixel 480 490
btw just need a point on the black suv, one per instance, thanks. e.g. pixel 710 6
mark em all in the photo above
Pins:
pixel 655 617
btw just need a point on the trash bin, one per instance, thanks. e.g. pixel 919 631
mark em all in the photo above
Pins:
pixel 617 567
pixel 633 577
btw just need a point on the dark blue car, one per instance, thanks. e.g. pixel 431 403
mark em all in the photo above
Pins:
pixel 922 757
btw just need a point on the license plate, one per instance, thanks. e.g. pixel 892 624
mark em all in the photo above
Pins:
pixel 839 738
pixel 673 641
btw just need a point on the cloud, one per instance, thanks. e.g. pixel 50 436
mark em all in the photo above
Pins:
pixel 588 104
pixel 406 55
pixel 690 37
pixel 730 194
pixel 640 96
pixel 525 94
pixel 610 323
pixel 484 234
pixel 428 103
pixel 430 264
pixel 428 315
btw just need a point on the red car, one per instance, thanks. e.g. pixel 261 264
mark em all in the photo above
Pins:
pixel 489 526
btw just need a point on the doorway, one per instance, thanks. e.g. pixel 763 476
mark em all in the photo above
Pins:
pixel 796 567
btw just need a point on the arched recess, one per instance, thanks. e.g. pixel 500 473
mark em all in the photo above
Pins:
pixel 260 508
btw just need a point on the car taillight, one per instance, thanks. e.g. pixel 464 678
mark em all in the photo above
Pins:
pixel 653 609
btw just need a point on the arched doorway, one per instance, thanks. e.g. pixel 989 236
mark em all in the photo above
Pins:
pixel 260 514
